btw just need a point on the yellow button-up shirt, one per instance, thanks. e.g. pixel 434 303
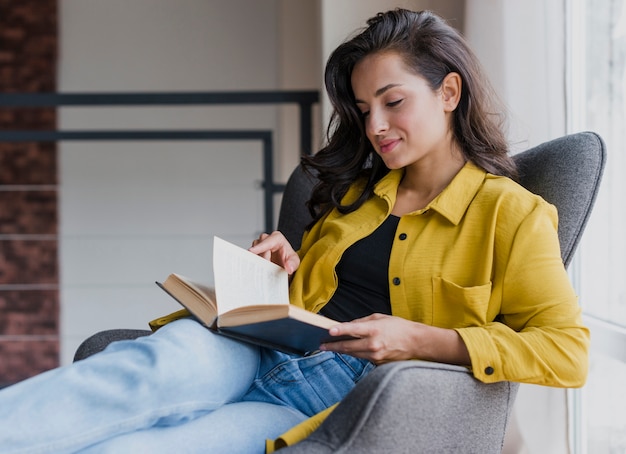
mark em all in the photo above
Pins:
pixel 482 258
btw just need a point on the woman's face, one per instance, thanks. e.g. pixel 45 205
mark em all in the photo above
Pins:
pixel 405 120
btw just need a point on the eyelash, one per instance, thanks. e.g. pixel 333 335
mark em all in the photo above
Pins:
pixel 389 104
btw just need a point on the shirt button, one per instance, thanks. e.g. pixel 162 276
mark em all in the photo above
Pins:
pixel 489 370
pixel 402 236
pixel 396 281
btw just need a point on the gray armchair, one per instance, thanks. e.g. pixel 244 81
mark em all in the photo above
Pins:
pixel 417 406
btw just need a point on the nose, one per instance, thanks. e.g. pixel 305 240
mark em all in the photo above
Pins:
pixel 377 123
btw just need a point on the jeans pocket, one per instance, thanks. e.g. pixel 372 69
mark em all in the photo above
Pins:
pixel 309 384
pixel 359 367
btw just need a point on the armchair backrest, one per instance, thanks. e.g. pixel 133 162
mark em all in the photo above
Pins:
pixel 566 172
pixel 294 216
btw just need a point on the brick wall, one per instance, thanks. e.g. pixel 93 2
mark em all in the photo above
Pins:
pixel 29 298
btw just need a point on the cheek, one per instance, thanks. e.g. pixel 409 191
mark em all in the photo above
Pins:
pixel 422 122
pixel 408 123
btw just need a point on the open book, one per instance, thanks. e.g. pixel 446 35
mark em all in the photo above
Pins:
pixel 253 296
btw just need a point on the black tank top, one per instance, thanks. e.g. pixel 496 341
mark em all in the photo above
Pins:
pixel 363 274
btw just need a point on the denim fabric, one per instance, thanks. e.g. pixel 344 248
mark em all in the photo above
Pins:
pixel 310 383
pixel 237 428
pixel 182 389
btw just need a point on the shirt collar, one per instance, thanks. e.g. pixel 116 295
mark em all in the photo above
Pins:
pixel 451 203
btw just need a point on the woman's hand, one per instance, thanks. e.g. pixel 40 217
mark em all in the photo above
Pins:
pixel 385 338
pixel 276 248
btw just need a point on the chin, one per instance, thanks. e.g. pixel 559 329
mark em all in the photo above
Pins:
pixel 394 165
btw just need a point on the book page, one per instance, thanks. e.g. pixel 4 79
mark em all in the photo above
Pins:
pixel 243 278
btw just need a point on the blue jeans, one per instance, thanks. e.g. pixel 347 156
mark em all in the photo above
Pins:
pixel 182 389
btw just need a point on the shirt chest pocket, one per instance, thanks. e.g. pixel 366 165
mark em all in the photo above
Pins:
pixel 458 307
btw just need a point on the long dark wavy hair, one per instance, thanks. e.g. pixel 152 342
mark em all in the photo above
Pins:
pixel 432 49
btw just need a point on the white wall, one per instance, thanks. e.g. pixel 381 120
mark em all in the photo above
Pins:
pixel 521 45
pixel 131 213
pixel 300 68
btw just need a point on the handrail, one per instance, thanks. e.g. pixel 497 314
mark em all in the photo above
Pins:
pixel 304 99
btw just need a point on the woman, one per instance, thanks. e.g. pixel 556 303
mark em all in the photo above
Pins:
pixel 422 246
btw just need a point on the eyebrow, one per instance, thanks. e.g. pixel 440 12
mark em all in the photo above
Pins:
pixel 379 92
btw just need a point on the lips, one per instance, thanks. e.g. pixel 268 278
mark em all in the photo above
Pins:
pixel 387 145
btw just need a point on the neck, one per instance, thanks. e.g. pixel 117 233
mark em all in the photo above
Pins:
pixel 422 183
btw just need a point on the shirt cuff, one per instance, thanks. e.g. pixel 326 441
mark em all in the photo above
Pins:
pixel 484 355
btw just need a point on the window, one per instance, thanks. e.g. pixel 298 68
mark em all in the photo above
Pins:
pixel 597 102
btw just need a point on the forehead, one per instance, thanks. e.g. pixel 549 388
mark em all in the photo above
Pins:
pixel 379 70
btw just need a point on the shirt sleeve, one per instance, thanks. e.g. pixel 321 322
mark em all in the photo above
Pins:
pixel 538 337
pixel 298 432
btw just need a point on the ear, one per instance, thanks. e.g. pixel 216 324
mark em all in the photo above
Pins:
pixel 451 91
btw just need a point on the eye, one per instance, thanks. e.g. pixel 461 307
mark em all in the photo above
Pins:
pixel 365 114
pixel 394 103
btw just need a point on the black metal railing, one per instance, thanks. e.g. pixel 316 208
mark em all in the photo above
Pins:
pixel 303 99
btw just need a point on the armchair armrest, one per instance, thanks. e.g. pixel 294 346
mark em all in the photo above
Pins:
pixel 99 341
pixel 416 406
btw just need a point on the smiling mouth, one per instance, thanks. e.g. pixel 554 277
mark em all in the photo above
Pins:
pixel 387 145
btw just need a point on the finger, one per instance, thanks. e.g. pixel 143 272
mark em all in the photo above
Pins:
pixel 276 247
pixel 260 248
pixel 356 347
pixel 267 242
pixel 359 328
pixel 258 240
pixel 291 263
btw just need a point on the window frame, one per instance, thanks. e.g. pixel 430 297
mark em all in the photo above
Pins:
pixel 608 338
